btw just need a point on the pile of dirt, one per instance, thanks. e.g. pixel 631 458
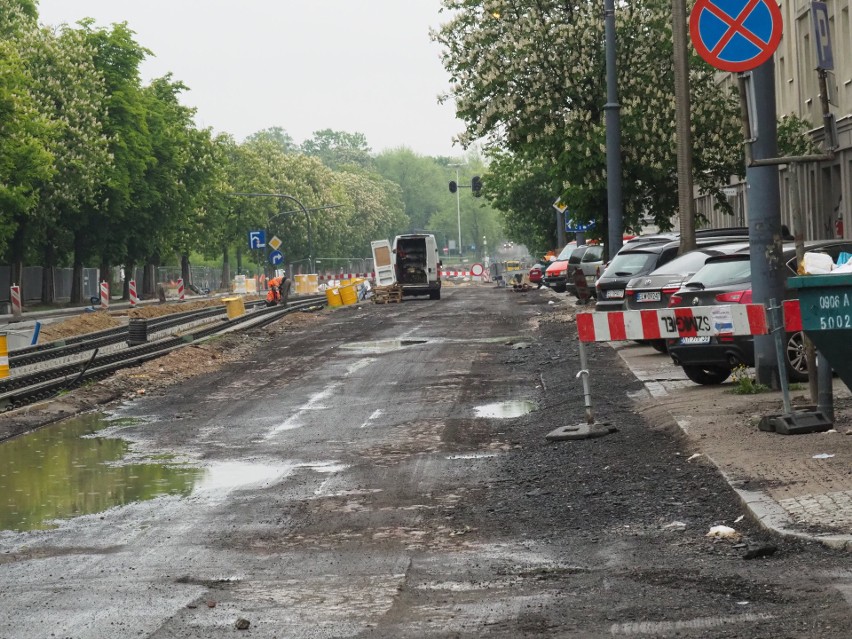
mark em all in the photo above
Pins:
pixel 181 307
pixel 78 325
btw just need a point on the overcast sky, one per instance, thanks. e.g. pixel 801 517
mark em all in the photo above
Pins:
pixel 364 66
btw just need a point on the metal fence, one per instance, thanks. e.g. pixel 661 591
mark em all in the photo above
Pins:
pixel 31 287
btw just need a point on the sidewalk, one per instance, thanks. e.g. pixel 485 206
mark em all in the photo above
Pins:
pixel 778 478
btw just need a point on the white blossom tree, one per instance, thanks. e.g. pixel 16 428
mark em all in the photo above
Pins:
pixel 529 79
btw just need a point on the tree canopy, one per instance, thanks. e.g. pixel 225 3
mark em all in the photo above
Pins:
pixel 528 79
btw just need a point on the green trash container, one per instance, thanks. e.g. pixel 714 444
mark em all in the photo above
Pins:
pixel 826 305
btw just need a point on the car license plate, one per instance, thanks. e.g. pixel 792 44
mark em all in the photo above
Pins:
pixel 695 340
pixel 615 294
pixel 653 296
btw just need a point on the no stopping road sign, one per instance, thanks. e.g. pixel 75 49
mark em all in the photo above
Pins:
pixel 735 35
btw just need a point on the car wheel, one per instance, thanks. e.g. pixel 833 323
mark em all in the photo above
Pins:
pixel 794 354
pixel 435 294
pixel 707 375
pixel 659 345
pixel 558 289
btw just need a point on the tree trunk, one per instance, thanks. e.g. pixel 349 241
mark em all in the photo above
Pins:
pixel 149 281
pixel 129 274
pixel 104 275
pixel 185 271
pixel 48 284
pixel 16 253
pixel 77 270
pixel 226 270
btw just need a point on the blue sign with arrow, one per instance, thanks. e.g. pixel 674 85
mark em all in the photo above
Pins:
pixel 276 258
pixel 573 227
pixel 257 239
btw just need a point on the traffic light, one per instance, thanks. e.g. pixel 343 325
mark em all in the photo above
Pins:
pixel 453 186
pixel 476 185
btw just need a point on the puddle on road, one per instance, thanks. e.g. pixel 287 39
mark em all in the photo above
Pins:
pixel 391 345
pixel 66 470
pixel 506 410
pixel 383 345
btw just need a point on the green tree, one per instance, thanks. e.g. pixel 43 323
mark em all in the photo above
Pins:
pixel 70 92
pixel 26 160
pixel 277 135
pixel 116 232
pixel 422 180
pixel 529 79
pixel 337 149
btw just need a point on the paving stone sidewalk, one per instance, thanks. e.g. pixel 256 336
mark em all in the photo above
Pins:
pixel 799 485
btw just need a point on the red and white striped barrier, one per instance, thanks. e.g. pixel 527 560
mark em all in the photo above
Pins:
pixel 4 356
pixel 344 276
pixel 455 273
pixel 792 316
pixel 105 295
pixel 181 293
pixel 17 307
pixel 134 298
pixel 697 321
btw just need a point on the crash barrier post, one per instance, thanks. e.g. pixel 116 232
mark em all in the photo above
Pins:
pixel 17 308
pixel 134 298
pixel 672 323
pixel 104 295
pixel 4 357
pixel 180 289
pixel 617 326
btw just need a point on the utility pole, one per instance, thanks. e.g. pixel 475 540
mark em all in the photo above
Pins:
pixel 686 204
pixel 764 222
pixel 458 205
pixel 615 221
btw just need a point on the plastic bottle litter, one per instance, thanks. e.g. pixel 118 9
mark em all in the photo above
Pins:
pixel 723 532
pixel 823 456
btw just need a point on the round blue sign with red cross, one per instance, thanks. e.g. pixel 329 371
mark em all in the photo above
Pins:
pixel 736 35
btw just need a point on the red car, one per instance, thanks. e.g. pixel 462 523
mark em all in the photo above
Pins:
pixel 536 274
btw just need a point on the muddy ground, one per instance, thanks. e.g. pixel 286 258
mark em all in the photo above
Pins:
pixel 150 377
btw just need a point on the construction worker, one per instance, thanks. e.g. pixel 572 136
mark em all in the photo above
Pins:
pixel 279 290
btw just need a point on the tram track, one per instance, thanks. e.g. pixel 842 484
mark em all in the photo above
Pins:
pixel 92 364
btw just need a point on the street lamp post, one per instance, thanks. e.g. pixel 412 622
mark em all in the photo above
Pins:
pixel 458 205
pixel 301 208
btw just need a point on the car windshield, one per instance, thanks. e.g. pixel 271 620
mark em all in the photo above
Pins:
pixel 628 264
pixel 565 253
pixel 684 264
pixel 722 273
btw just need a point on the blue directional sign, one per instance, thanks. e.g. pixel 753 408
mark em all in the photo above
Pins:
pixel 736 35
pixel 276 258
pixel 822 36
pixel 257 239
pixel 578 227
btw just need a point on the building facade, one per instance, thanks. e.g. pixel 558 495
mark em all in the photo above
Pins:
pixel 825 187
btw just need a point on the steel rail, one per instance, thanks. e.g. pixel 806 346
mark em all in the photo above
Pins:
pixel 18 391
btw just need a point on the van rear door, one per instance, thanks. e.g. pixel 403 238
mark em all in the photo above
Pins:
pixel 383 263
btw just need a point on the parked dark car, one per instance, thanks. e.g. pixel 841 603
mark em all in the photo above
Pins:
pixel 643 254
pixel 654 289
pixel 727 280
pixel 589 260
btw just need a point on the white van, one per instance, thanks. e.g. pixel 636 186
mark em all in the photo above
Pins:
pixel 411 261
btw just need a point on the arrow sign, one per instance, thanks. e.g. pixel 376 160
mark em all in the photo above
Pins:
pixel 257 239
pixel 276 257
pixel 573 227
pixel 735 35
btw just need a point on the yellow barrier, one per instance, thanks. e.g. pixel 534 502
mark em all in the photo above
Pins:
pixel 234 307
pixel 349 294
pixel 333 297
pixel 4 357
pixel 306 284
